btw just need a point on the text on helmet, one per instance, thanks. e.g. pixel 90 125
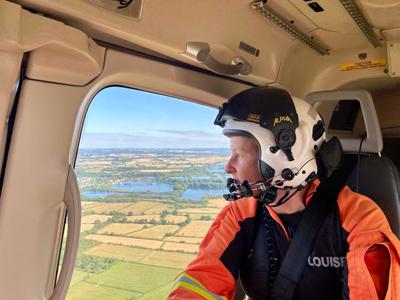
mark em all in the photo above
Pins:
pixel 281 119
pixel 254 118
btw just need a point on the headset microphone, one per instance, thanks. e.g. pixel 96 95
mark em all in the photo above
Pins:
pixel 237 189
pixel 263 192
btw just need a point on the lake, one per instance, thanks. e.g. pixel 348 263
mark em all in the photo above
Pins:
pixel 142 186
pixel 155 187
pixel 92 194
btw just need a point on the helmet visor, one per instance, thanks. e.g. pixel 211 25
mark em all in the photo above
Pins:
pixel 271 108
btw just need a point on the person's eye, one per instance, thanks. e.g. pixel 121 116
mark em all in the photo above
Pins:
pixel 243 154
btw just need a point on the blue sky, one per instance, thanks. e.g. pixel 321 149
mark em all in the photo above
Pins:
pixel 126 118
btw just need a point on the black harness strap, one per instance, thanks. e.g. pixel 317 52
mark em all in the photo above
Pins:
pixel 300 248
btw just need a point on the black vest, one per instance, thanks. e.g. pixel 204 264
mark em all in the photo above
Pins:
pixel 325 275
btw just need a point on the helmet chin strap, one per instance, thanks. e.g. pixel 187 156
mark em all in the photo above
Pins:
pixel 262 191
pixel 283 199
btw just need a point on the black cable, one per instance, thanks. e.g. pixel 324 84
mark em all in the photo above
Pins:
pixel 239 189
pixel 298 171
pixel 272 249
pixel 284 198
pixel 358 164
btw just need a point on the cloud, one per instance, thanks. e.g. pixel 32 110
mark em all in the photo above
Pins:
pixel 155 139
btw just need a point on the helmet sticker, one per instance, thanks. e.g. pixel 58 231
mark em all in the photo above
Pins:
pixel 281 119
pixel 254 118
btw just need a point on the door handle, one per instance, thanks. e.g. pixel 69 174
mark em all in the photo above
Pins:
pixel 73 203
pixel 201 51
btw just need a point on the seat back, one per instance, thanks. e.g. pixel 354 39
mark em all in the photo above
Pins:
pixel 372 175
pixel 377 178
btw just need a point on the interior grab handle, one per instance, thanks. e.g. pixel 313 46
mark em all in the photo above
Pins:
pixel 201 52
pixel 73 203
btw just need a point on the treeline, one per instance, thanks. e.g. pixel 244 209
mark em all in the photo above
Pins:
pixel 88 263
pixel 117 217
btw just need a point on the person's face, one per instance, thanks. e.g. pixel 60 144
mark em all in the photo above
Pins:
pixel 242 164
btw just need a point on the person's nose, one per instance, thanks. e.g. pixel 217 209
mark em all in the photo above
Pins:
pixel 229 168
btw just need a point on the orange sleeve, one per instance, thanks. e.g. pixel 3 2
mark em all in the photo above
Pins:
pixel 373 258
pixel 206 276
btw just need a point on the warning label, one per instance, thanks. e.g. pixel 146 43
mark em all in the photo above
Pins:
pixel 367 64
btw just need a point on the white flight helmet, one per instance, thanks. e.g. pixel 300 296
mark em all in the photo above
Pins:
pixel 288 130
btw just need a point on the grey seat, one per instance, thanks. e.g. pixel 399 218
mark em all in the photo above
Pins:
pixel 374 176
pixel 378 178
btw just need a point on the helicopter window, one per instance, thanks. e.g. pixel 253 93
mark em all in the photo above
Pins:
pixel 150 172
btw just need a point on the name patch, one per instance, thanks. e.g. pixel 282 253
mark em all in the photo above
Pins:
pixel 326 261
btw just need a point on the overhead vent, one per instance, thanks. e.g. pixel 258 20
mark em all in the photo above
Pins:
pixel 261 7
pixel 360 20
pixel 315 7
pixel 249 49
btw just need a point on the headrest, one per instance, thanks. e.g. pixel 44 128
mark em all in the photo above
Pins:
pixel 340 115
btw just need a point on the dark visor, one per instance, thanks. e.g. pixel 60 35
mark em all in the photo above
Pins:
pixel 269 107
pixel 218 120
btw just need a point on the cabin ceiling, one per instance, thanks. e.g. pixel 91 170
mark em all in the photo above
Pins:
pixel 165 27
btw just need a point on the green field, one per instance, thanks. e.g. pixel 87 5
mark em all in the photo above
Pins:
pixel 89 291
pixel 124 281
pixel 78 276
pixel 144 256
pixel 119 252
pixel 133 244
pixel 135 277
